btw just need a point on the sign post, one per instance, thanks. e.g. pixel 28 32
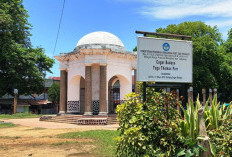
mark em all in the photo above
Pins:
pixel 164 60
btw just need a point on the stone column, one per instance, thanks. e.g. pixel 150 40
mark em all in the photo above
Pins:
pixel 204 96
pixel 215 91
pixel 135 79
pixel 103 103
pixel 63 92
pixel 191 93
pixel 88 90
pixel 110 97
pixel 210 96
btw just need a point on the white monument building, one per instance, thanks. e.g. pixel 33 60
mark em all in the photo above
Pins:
pixel 96 75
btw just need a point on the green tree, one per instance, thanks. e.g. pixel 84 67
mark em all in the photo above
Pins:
pixel 54 93
pixel 210 67
pixel 227 69
pixel 21 65
pixel 228 44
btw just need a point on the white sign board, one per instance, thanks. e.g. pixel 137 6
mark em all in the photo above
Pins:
pixel 164 60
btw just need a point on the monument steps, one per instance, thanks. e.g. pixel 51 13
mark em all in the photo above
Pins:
pixel 82 119
pixel 113 119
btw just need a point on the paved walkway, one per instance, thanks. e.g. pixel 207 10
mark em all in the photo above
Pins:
pixel 34 122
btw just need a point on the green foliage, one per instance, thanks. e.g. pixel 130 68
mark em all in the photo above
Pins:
pixel 135 49
pixel 18 116
pixel 152 128
pixel 228 44
pixel 218 120
pixel 216 114
pixel 54 93
pixel 21 65
pixel 189 126
pixel 7 125
pixel 222 139
pixel 193 148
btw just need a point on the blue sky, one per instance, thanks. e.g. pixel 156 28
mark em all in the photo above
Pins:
pixel 120 17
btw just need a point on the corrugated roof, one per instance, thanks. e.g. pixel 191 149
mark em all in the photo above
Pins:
pixel 24 102
pixel 48 82
pixel 56 78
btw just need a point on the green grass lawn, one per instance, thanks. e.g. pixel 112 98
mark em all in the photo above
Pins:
pixel 7 125
pixel 19 116
pixel 103 140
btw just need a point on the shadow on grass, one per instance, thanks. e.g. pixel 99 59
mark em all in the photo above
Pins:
pixel 36 128
pixel 64 143
pixel 103 140
pixel 9 137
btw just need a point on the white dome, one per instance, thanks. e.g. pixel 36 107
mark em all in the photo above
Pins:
pixel 101 40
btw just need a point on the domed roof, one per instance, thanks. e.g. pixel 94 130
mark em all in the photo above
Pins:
pixel 100 40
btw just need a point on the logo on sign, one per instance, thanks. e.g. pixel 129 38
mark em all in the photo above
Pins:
pixel 166 46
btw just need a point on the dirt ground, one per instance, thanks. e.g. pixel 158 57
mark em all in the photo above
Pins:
pixel 39 139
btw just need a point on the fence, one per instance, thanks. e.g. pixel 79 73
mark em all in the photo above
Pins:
pixel 211 94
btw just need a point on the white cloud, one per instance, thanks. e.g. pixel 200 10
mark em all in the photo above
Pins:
pixel 224 26
pixel 173 9
pixel 220 23
pixel 214 12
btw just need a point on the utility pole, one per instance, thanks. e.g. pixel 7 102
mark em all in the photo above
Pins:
pixel 15 100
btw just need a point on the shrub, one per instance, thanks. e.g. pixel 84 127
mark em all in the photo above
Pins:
pixel 151 128
pixel 222 139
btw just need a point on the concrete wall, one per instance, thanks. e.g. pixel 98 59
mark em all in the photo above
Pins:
pixel 76 70
pixel 122 68
pixel 74 88
pixel 76 67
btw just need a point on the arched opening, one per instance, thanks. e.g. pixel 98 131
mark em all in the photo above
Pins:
pixel 76 95
pixel 117 89
pixel 115 95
